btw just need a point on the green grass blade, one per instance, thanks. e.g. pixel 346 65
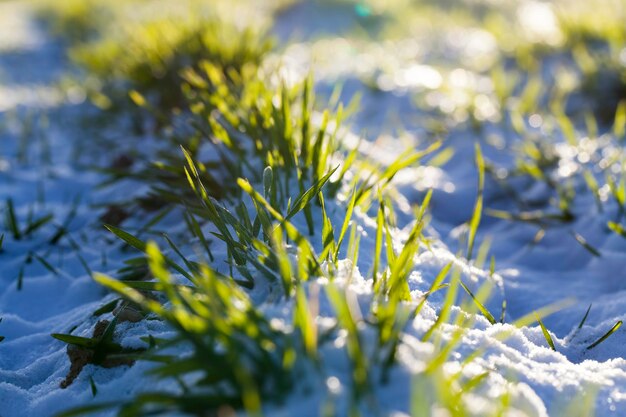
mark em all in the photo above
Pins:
pixel 11 220
pixel 612 330
pixel 309 194
pixel 36 224
pixel 617 228
pixel 142 247
pixel 45 264
pixel 94 389
pixel 479 305
pixel 437 282
pixel 127 237
pixel 346 223
pixel 478 207
pixel 84 342
pixel 378 245
pixel 619 125
pixel 582 322
pixel 581 240
pixel 546 334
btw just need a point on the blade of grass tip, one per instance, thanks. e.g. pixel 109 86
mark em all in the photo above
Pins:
pixel 424 206
pixel 479 305
pixel 478 207
pixel 406 159
pixel 617 228
pixel 36 224
pixel 256 197
pixel 127 237
pixel 45 264
pixel 546 334
pixel 503 311
pixel 612 330
pixel 137 98
pixel 581 240
pixel 475 381
pixel 126 291
pixel 142 246
pixel 582 322
pixel 84 342
pixel 20 278
pixel 106 308
pixel 307 89
pixel 107 336
pixel 11 220
pixel 94 389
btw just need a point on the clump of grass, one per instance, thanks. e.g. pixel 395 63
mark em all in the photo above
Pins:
pixel 149 56
pixel 98 350
pixel 242 359
pixel 278 129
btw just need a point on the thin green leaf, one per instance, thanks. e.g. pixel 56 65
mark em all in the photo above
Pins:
pixel 478 207
pixel 613 329
pixel 582 322
pixel 581 240
pixel 546 334
pixel 309 194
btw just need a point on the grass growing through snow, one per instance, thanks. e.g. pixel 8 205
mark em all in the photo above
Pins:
pixel 244 360
pixel 278 168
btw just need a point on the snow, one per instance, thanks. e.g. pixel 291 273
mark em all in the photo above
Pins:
pixel 33 108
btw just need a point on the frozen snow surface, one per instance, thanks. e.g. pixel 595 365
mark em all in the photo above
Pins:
pixel 44 169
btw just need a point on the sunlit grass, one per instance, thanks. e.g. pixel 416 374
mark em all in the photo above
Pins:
pixel 278 164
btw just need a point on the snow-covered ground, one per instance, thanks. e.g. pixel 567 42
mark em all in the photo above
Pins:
pixel 45 154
